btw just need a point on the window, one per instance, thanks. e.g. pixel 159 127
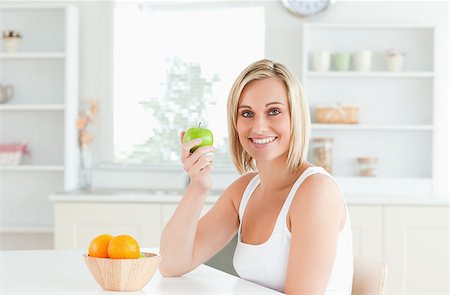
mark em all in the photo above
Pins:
pixel 173 66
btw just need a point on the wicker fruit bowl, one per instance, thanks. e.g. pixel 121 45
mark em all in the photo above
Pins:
pixel 123 274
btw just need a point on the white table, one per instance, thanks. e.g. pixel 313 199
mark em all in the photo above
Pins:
pixel 65 272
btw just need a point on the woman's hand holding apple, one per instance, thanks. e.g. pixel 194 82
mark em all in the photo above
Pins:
pixel 197 164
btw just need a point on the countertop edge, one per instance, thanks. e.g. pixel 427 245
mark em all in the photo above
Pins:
pixel 171 198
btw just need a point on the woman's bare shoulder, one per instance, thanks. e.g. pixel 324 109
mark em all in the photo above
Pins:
pixel 317 194
pixel 317 186
pixel 235 190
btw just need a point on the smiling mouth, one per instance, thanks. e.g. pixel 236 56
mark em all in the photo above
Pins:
pixel 263 140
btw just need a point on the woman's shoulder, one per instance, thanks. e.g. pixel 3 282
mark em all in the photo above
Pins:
pixel 318 181
pixel 242 181
pixel 239 185
pixel 318 198
pixel 316 177
pixel 318 189
pixel 236 190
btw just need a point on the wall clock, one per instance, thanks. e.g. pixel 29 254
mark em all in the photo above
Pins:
pixel 307 7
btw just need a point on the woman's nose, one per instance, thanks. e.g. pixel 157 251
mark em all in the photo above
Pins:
pixel 259 125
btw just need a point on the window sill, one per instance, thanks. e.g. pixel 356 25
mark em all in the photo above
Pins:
pixel 157 168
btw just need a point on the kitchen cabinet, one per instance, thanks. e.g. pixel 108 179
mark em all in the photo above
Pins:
pixel 413 241
pixel 396 108
pixel 42 113
pixel 417 250
pixel 367 229
pixel 76 224
pixel 80 216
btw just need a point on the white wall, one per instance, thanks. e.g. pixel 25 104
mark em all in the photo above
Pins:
pixel 283 44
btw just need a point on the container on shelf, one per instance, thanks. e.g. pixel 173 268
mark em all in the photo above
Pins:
pixel 321 60
pixel 85 172
pixel 341 61
pixel 6 93
pixel 367 166
pixel 337 114
pixel 13 154
pixel 11 41
pixel 322 153
pixel 394 60
pixel 362 60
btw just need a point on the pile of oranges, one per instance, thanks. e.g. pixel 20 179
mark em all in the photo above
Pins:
pixel 118 247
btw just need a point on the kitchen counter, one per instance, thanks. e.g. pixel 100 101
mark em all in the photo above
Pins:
pixel 170 197
pixel 65 272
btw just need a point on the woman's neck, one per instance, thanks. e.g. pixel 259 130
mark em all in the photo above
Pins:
pixel 276 175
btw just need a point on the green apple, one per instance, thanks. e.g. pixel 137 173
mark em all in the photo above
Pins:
pixel 198 132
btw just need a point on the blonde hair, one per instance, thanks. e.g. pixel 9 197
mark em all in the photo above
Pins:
pixel 298 109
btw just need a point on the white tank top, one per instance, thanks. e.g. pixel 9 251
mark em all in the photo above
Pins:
pixel 266 263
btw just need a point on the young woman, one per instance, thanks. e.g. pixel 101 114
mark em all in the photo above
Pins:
pixel 292 223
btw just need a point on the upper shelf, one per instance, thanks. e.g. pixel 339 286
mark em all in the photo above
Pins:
pixel 32 107
pixel 29 168
pixel 374 74
pixel 414 42
pixel 366 26
pixel 364 127
pixel 32 55
pixel 42 30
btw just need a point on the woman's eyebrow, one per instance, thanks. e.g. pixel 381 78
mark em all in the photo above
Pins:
pixel 244 107
pixel 275 102
pixel 267 104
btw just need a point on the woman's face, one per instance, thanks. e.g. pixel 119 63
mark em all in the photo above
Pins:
pixel 263 119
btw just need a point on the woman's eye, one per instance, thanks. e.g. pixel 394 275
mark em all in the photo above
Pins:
pixel 246 114
pixel 274 112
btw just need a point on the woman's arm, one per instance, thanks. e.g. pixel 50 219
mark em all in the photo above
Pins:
pixel 177 240
pixel 186 241
pixel 317 214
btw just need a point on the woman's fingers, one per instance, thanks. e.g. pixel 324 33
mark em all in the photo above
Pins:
pixel 201 164
pixel 207 169
pixel 186 148
pixel 194 157
pixel 182 136
pixel 198 163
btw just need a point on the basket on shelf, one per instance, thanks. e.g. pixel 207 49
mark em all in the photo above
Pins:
pixel 337 114
pixel 12 154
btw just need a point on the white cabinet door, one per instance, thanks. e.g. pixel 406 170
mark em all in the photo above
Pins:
pixel 417 250
pixel 76 224
pixel 367 229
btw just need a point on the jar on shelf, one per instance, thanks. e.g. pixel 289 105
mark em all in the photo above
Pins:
pixel 394 60
pixel 341 61
pixel 367 166
pixel 322 153
pixel 321 60
pixel 11 40
pixel 363 60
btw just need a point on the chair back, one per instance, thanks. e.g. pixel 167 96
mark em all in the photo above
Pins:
pixel 369 277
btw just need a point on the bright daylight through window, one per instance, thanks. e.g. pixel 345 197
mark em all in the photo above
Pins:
pixel 173 67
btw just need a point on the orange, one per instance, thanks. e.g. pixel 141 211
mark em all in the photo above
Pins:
pixel 99 246
pixel 123 247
